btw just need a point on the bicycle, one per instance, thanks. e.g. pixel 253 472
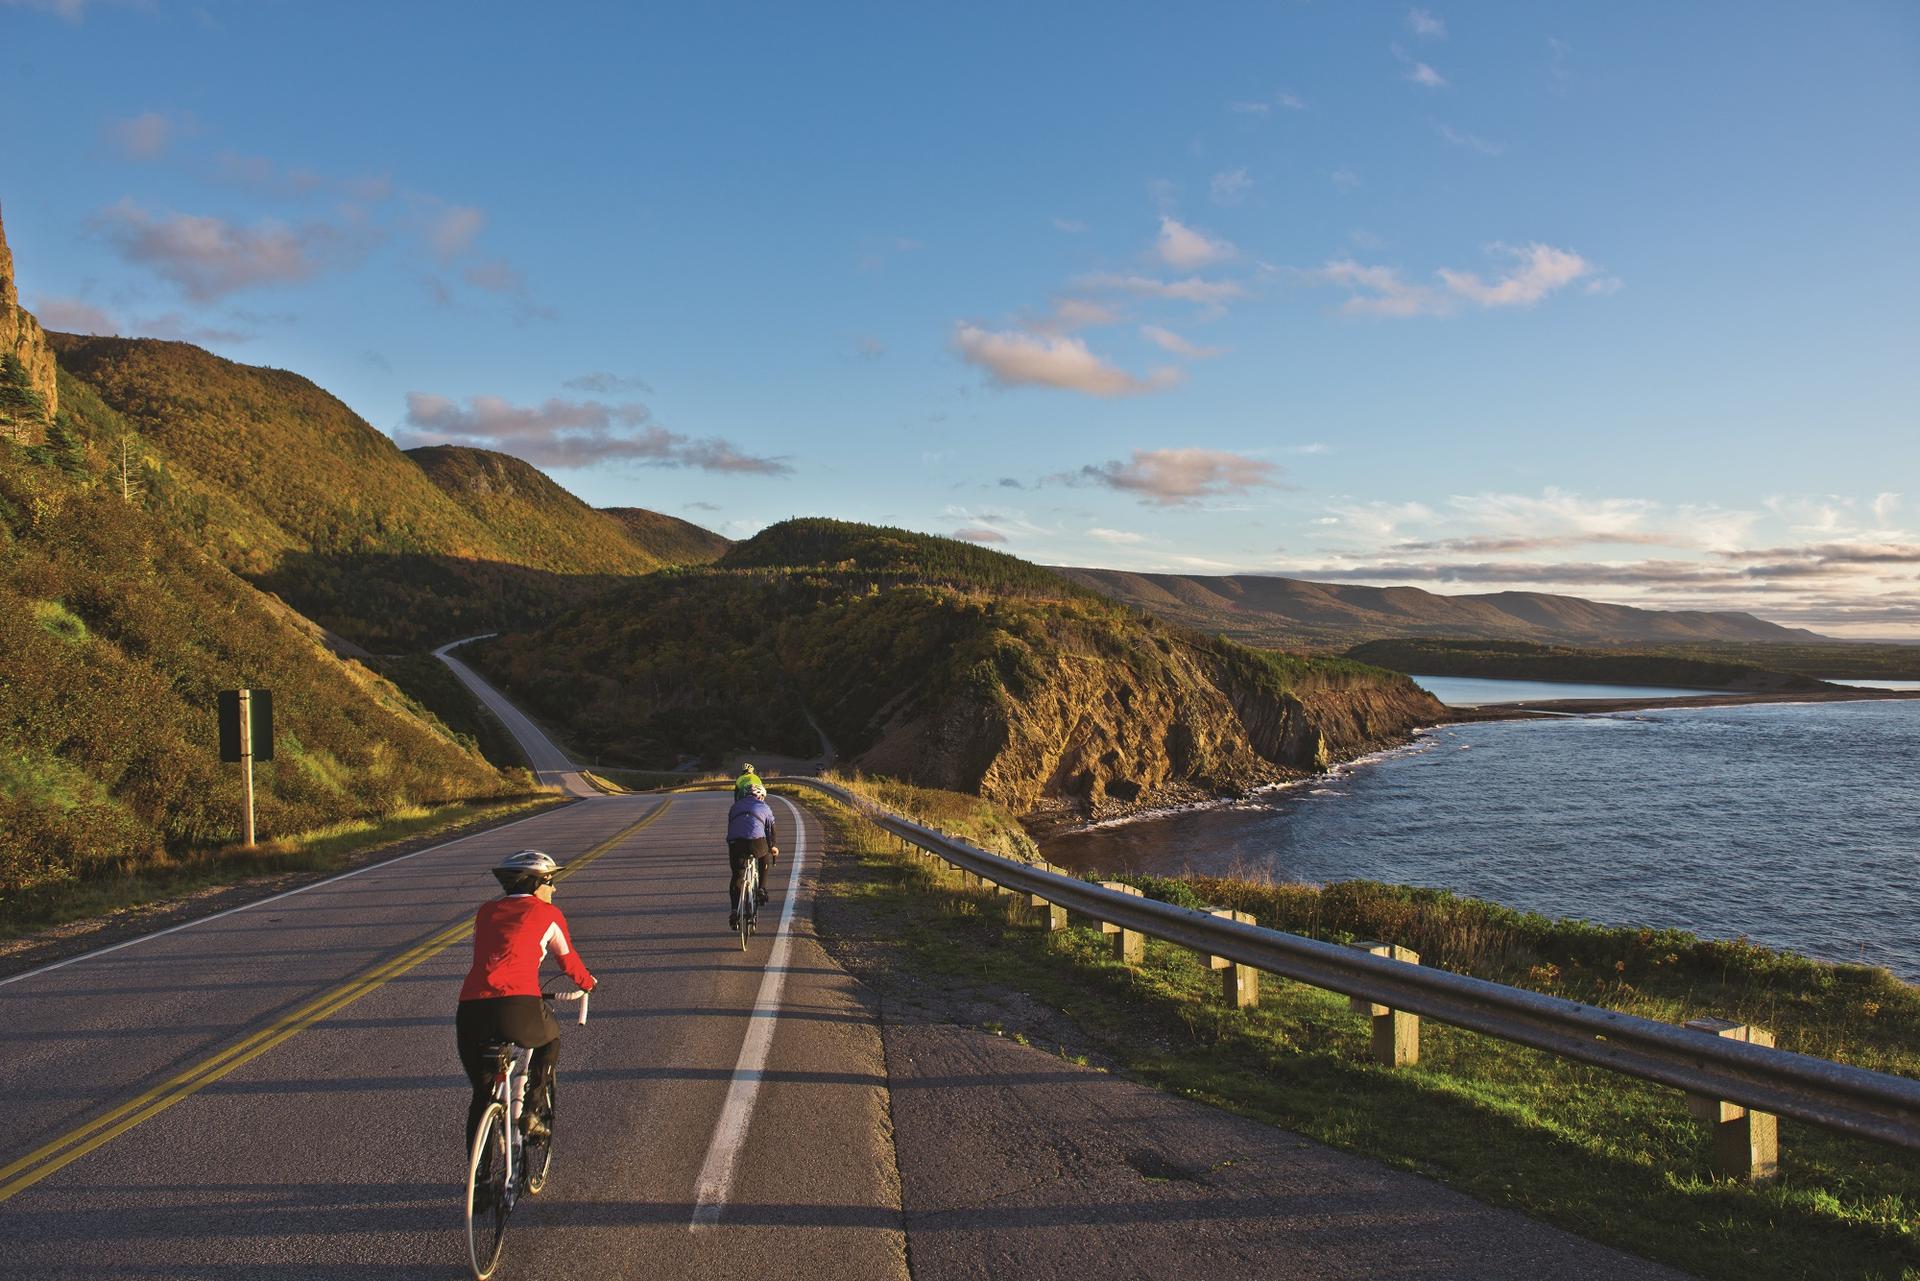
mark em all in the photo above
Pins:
pixel 501 1163
pixel 749 900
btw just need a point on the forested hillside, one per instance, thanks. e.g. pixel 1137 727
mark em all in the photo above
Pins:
pixel 287 486
pixel 1520 660
pixel 945 664
pixel 115 634
pixel 1263 609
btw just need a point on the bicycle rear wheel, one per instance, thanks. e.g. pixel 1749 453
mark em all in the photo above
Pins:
pixel 536 1155
pixel 743 910
pixel 487 1204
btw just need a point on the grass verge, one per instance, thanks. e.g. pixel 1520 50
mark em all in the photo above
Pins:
pixel 1613 1159
pixel 308 854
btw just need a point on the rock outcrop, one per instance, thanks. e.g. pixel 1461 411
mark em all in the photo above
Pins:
pixel 23 341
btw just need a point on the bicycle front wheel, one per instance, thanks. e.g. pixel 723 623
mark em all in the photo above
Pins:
pixel 487 1204
pixel 744 910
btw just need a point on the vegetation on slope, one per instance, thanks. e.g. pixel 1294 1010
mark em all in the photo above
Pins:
pixel 1524 660
pixel 669 539
pixel 115 634
pixel 530 519
pixel 1268 610
pixel 285 485
pixel 938 662
pixel 885 553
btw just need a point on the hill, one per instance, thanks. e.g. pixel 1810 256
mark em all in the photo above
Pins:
pixel 668 538
pixel 287 486
pixel 529 519
pixel 1264 610
pixel 115 634
pixel 1525 661
pixel 945 664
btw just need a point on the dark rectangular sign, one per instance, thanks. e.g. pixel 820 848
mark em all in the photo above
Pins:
pixel 260 703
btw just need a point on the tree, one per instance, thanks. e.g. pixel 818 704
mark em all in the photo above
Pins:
pixel 22 407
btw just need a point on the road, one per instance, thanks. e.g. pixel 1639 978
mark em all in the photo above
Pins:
pixel 551 766
pixel 273 1093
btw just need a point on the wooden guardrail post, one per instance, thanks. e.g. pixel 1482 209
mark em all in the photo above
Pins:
pixel 1048 915
pixel 1128 945
pixel 1396 1033
pixel 1239 984
pixel 1746 1144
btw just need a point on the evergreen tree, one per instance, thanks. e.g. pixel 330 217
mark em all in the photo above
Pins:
pixel 22 407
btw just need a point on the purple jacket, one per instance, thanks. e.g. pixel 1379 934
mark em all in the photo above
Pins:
pixel 749 820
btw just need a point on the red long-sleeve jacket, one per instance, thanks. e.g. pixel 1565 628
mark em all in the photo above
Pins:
pixel 511 937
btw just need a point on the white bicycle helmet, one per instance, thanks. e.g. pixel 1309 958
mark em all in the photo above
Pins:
pixel 758 792
pixel 522 865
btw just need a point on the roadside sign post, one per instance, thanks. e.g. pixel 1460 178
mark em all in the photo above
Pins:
pixel 246 735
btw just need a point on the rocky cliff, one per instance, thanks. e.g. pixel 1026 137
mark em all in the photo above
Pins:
pixel 22 340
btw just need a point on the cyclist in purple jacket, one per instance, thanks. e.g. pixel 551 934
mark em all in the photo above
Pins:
pixel 751 833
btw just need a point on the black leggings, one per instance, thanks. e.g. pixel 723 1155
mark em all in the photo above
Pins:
pixel 738 852
pixel 497 1020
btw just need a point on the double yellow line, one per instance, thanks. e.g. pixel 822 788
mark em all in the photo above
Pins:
pixel 19 1175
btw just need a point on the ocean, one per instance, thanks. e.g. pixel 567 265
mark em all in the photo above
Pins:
pixel 1794 825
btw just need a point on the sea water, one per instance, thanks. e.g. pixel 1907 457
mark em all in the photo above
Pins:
pixel 1793 825
pixel 1479 691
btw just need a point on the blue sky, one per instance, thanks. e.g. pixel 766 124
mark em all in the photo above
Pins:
pixel 1612 300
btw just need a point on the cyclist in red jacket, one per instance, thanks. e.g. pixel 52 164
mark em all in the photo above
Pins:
pixel 500 1001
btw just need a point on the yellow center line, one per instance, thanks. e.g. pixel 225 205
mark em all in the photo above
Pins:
pixel 76 1143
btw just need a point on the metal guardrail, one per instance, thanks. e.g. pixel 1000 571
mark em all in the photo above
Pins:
pixel 1873 1105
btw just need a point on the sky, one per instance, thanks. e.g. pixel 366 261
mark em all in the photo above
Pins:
pixel 1620 301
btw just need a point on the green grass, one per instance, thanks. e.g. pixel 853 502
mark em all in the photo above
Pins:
pixel 317 852
pixel 1611 1158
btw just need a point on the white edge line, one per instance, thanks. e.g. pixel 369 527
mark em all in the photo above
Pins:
pixel 730 1132
pixel 187 925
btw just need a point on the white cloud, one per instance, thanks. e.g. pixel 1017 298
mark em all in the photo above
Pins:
pixel 979 534
pixel 1292 102
pixel 1311 447
pixel 1379 291
pixel 1180 477
pixel 1249 108
pixel 1884 506
pixel 1072 226
pixel 1345 180
pixel 1426 77
pixel 145 136
pixel 73 316
pixel 1425 25
pixel 71 10
pixel 209 257
pixel 1538 271
pixel 1230 187
pixel 1017 359
pixel 1193 289
pixel 452 231
pixel 1605 285
pixel 1470 141
pixel 1181 246
pixel 570 433
pixel 1068 314
pixel 1121 537
pixel 1167 340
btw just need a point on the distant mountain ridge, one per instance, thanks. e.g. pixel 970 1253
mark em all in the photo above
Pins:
pixel 1290 612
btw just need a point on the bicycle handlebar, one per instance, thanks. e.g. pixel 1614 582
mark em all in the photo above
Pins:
pixel 573 994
